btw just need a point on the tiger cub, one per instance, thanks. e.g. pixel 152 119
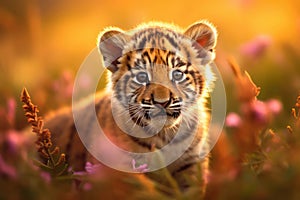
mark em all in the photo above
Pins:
pixel 159 79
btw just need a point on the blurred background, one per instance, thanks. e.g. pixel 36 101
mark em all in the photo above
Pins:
pixel 44 42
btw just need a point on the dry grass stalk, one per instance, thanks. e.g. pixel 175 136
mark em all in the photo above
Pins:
pixel 55 163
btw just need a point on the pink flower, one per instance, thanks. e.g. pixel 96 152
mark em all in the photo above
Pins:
pixel 141 169
pixel 233 120
pixel 7 170
pixel 79 173
pixel 64 85
pixel 11 110
pixel 87 186
pixel 92 168
pixel 46 176
pixel 257 111
pixel 14 141
pixel 89 169
pixel 274 105
pixel 8 114
pixel 85 81
pixel 256 47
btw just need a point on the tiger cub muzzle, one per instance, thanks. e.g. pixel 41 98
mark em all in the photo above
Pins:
pixel 153 109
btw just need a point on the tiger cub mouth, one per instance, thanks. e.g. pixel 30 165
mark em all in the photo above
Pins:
pixel 150 112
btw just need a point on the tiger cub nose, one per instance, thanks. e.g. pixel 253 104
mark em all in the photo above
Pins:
pixel 163 104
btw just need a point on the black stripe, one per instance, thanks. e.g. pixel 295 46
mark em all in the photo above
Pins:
pixel 155 59
pixel 198 79
pixel 173 62
pixel 137 63
pixel 191 91
pixel 141 143
pixel 193 74
pixel 142 43
pixel 146 54
pixel 182 168
pixel 168 55
pixel 153 42
pixel 161 58
pixel 191 147
pixel 188 55
pixel 172 42
pixel 150 35
pixel 134 85
pixel 118 92
pixel 128 66
pixel 151 50
pixel 187 84
pixel 100 106
pixel 189 162
pixel 200 82
pixel 125 81
pixel 147 102
pixel 179 63
pixel 188 65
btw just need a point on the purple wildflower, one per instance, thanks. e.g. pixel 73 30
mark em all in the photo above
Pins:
pixel 141 169
pixel 14 141
pixel 92 168
pixel 87 186
pixel 11 110
pixel 85 81
pixel 80 173
pixel 6 169
pixel 256 47
pixel 233 120
pixel 89 169
pixel 274 105
pixel 257 111
pixel 46 176
pixel 64 85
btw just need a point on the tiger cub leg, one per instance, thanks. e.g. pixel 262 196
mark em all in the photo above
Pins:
pixel 193 174
pixel 182 177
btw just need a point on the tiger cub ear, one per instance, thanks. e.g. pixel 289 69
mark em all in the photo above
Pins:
pixel 204 33
pixel 111 43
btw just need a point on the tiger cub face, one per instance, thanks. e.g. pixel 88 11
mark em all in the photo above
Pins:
pixel 158 73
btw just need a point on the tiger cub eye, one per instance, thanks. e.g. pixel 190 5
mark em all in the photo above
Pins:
pixel 177 75
pixel 142 77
